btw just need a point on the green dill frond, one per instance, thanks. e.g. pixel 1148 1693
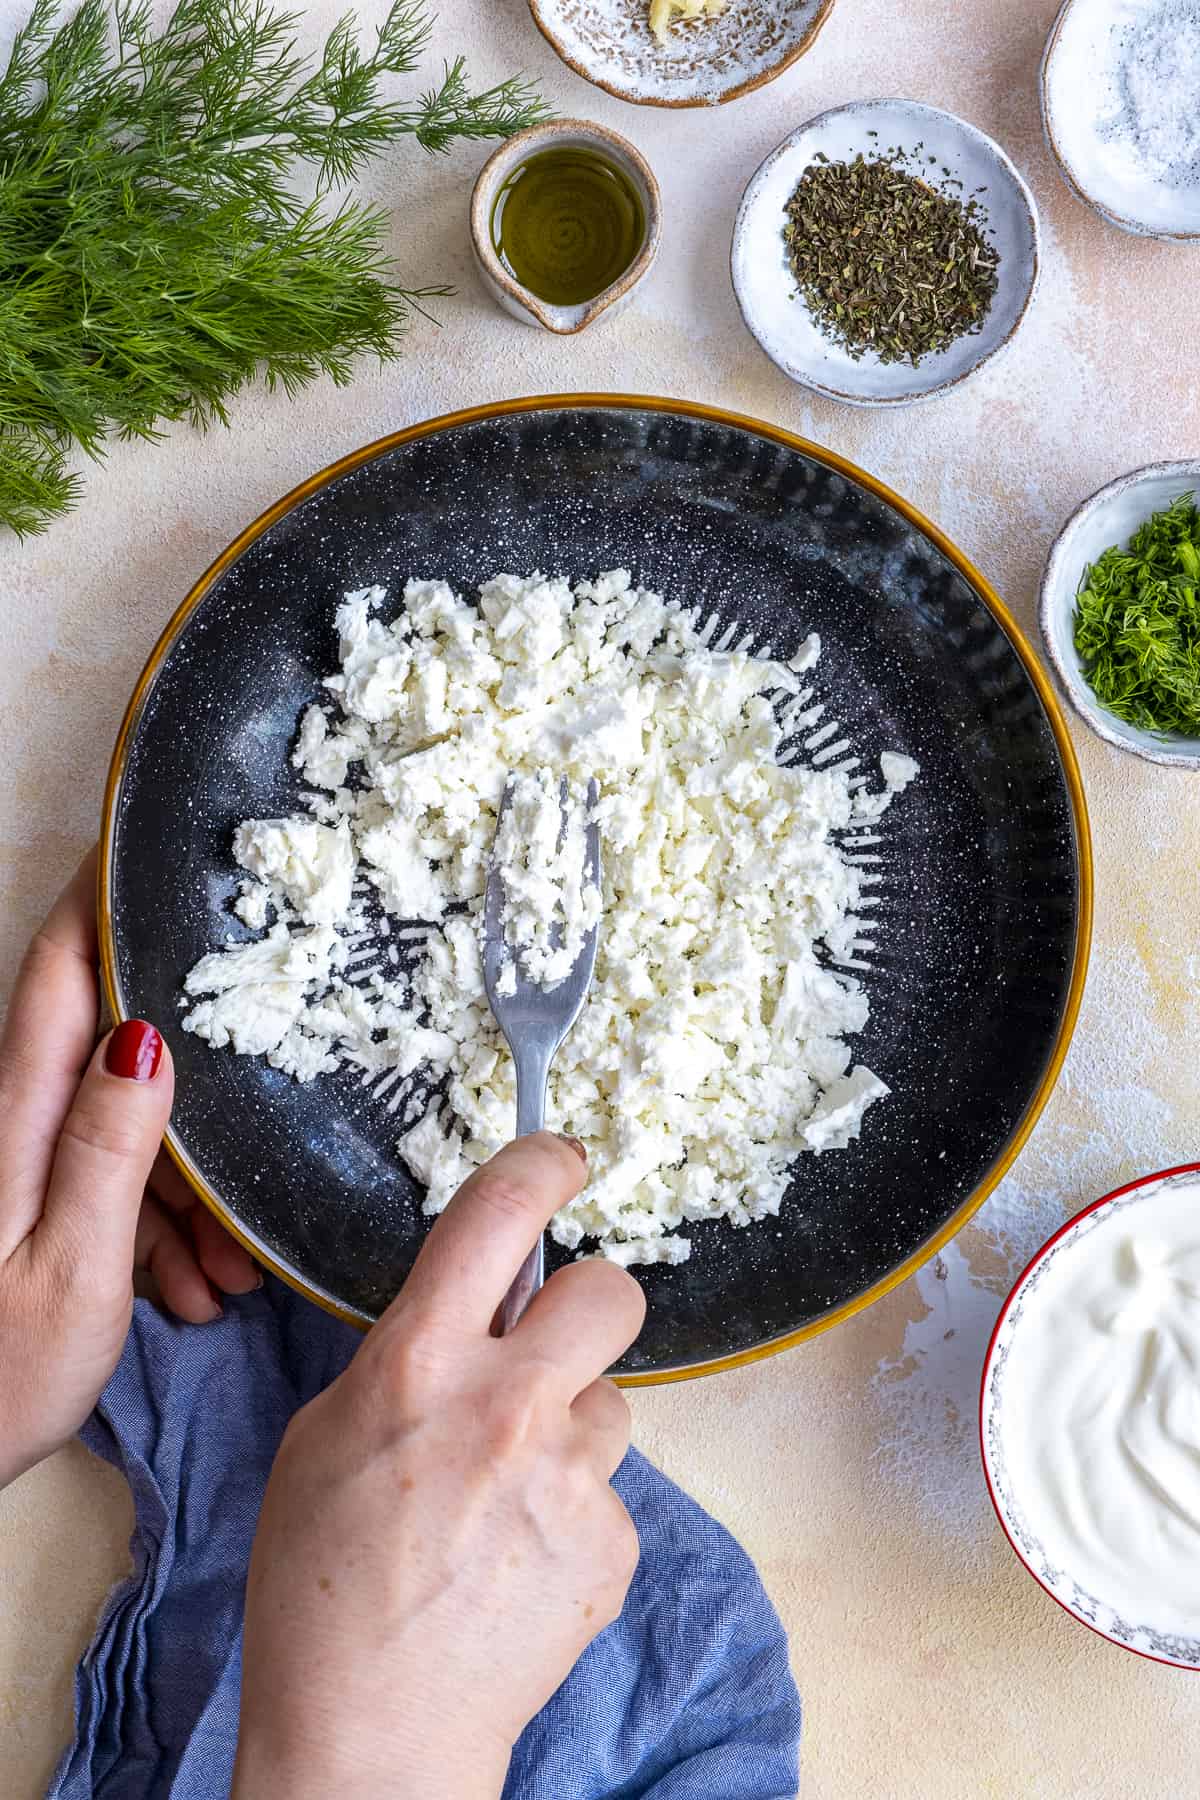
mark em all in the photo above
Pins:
pixel 1137 623
pixel 35 483
pixel 155 257
pixel 451 112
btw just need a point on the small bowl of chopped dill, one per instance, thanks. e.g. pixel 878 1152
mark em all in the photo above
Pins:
pixel 884 252
pixel 1120 612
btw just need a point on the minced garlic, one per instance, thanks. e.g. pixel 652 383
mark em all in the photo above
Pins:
pixel 663 11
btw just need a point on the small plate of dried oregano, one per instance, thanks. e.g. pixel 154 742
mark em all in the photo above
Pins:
pixel 885 251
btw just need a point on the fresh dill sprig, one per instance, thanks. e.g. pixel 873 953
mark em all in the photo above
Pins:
pixel 155 254
pixel 1137 623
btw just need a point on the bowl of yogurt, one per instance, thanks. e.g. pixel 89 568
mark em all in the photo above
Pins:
pixel 1090 1417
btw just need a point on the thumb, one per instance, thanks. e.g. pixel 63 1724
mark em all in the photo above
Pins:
pixel 106 1149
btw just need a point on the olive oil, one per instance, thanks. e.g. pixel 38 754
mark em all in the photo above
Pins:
pixel 567 224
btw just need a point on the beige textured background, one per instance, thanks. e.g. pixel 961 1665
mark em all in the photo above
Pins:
pixel 931 1667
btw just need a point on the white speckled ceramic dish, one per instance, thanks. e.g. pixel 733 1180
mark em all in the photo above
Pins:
pixel 763 282
pixel 1110 140
pixel 1000 1409
pixel 1109 517
pixel 498 278
pixel 609 42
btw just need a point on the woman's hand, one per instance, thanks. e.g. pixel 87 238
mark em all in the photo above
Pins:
pixel 80 1129
pixel 439 1540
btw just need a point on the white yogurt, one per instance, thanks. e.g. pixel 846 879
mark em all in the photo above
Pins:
pixel 1102 1397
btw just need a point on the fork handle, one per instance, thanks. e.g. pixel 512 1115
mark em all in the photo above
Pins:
pixel 532 1071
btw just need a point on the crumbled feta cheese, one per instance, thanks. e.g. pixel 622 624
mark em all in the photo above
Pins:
pixel 711 1050
pixel 807 656
pixel 898 771
pixel 253 904
pixel 549 905
pixel 324 757
pixel 258 990
pixel 397 864
pixel 837 1116
pixel 306 865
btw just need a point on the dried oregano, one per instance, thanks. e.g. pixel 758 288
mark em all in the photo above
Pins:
pixel 886 261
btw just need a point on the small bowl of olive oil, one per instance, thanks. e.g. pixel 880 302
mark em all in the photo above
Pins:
pixel 566 218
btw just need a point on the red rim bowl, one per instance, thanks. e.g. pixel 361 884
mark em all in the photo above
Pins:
pixel 1144 1640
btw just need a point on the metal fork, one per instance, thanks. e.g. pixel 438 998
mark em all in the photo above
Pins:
pixel 535 1021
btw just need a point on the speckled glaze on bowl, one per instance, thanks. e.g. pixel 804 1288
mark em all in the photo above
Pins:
pixel 983 874
pixel 1141 1636
pixel 609 43
pixel 1111 516
pixel 765 288
pixel 1072 85
pixel 501 284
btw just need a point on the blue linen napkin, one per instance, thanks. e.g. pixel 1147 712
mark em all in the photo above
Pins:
pixel 688 1696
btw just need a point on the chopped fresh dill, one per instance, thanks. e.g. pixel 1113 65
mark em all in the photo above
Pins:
pixel 1137 623
pixel 156 250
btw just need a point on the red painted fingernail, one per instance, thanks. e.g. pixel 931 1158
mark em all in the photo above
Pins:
pixel 134 1051
pixel 575 1144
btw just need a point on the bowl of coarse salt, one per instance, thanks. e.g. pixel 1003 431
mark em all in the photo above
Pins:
pixel 1119 86
pixel 1090 1417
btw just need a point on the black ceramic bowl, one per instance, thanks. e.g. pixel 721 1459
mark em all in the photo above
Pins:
pixel 985 894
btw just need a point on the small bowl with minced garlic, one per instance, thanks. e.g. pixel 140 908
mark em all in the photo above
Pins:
pixel 679 52
pixel 1120 612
